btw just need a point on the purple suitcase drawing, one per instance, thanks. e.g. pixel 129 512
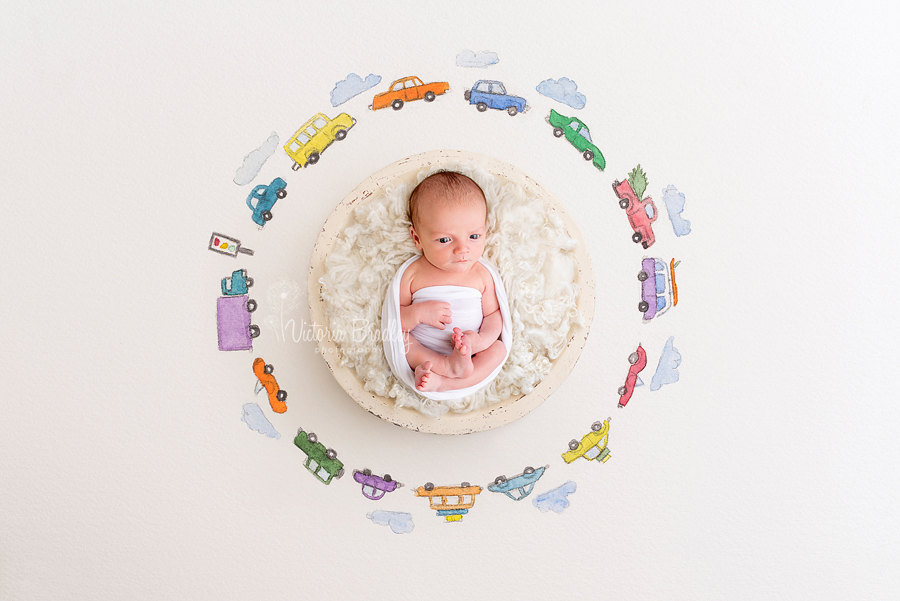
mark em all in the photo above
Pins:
pixel 236 333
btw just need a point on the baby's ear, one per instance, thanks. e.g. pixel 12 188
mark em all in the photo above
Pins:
pixel 415 237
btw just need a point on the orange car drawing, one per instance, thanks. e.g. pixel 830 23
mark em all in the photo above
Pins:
pixel 450 502
pixel 263 373
pixel 408 89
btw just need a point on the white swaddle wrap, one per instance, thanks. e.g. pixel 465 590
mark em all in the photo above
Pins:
pixel 466 311
pixel 457 296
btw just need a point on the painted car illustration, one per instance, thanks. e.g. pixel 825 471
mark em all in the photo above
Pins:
pixel 636 210
pixel 638 361
pixel 265 379
pixel 375 487
pixel 487 94
pixel 450 502
pixel 317 134
pixel 265 197
pixel 237 284
pixel 321 462
pixel 659 293
pixel 592 446
pixel 234 330
pixel 576 132
pixel 518 487
pixel 408 89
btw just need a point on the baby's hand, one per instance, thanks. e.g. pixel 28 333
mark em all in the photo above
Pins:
pixel 434 313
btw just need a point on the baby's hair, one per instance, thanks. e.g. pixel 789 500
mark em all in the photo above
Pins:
pixel 446 183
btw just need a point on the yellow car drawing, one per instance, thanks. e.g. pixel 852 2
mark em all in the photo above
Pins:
pixel 317 134
pixel 592 445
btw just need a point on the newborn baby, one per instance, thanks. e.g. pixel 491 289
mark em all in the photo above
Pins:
pixel 449 312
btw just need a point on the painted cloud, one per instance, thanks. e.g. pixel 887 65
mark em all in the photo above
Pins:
pixel 354 84
pixel 675 206
pixel 254 161
pixel 564 90
pixel 556 499
pixel 256 420
pixel 667 370
pixel 399 521
pixel 482 60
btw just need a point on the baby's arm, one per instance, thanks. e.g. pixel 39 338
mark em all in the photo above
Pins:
pixel 433 313
pixel 492 321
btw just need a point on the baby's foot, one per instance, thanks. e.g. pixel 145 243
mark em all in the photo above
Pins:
pixel 426 379
pixel 460 360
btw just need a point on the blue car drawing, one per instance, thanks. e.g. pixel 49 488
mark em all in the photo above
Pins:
pixel 487 94
pixel 518 487
pixel 266 197
pixel 237 284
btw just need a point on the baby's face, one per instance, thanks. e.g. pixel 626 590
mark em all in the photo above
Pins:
pixel 452 235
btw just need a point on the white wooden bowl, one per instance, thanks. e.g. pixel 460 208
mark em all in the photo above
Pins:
pixel 499 413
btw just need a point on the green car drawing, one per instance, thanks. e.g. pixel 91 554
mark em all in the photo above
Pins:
pixel 577 133
pixel 321 462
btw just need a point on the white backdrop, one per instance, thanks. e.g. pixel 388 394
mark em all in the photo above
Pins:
pixel 769 469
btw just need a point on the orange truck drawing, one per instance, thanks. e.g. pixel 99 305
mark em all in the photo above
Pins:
pixel 408 89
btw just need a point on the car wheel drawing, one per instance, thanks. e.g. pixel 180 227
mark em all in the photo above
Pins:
pixel 481 107
pixel 636 237
pixel 588 155
pixel 513 111
pixel 267 215
pixel 340 135
pixel 643 306
pixel 251 306
pixel 623 204
pixel 313 158
pixel 557 132
pixel 428 97
pixel 397 104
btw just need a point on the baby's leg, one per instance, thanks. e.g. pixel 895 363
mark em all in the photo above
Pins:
pixel 456 365
pixel 483 363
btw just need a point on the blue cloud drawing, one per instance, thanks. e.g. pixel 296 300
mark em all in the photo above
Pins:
pixel 556 499
pixel 482 60
pixel 564 90
pixel 254 161
pixel 354 84
pixel 667 370
pixel 399 521
pixel 256 420
pixel 675 206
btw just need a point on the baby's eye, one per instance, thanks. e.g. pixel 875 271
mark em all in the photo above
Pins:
pixel 475 236
pixel 444 240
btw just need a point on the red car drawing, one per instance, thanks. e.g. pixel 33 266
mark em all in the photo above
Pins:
pixel 638 360
pixel 636 210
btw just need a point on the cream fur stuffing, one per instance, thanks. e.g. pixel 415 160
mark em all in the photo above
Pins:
pixel 528 245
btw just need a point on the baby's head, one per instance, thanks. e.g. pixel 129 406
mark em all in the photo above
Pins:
pixel 448 212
